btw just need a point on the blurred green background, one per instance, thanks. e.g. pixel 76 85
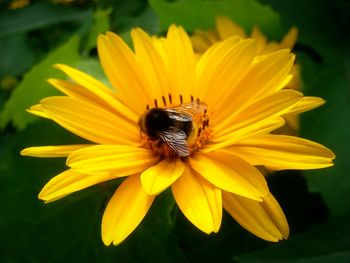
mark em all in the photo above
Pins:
pixel 316 203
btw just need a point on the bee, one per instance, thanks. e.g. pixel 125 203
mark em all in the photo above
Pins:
pixel 173 125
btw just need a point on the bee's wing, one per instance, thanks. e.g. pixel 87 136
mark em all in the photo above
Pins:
pixel 178 116
pixel 176 139
pixel 192 108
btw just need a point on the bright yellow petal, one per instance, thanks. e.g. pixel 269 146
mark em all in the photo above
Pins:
pixel 264 219
pixel 69 182
pixel 117 159
pixel 124 212
pixel 152 64
pixel 123 71
pixel 52 151
pixel 209 63
pixel 226 28
pixel 281 152
pixel 263 79
pixel 259 128
pixel 78 92
pixel 100 91
pixel 181 64
pixel 258 113
pixel 230 173
pixel 160 176
pixel 38 111
pixel 274 105
pixel 199 201
pixel 222 73
pixel 306 104
pixel 90 121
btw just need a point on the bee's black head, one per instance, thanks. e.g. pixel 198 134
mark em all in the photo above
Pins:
pixel 156 120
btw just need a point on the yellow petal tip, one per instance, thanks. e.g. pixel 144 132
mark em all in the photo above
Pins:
pixel 58 65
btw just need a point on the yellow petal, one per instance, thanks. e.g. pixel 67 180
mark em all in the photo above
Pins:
pixel 78 92
pixel 123 71
pixel 124 212
pixel 281 152
pixel 260 39
pixel 69 182
pixel 274 105
pixel 296 80
pixel 151 63
pixel 160 176
pixel 256 114
pixel 263 79
pixel 118 159
pixel 230 173
pixel 226 28
pixel 216 66
pixel 100 91
pixel 290 39
pixel 90 121
pixel 38 111
pixel 200 41
pixel 52 151
pixel 264 219
pixel 306 104
pixel 199 201
pixel 261 127
pixel 203 40
pixel 181 65
pixel 220 78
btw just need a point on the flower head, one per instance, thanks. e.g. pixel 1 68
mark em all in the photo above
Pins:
pixel 207 126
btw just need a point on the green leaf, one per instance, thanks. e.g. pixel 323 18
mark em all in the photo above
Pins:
pixel 326 242
pixel 34 86
pixel 93 67
pixel 330 125
pixel 37 15
pixel 199 14
pixel 16 55
pixel 101 25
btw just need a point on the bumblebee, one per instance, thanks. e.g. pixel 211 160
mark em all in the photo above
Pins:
pixel 173 125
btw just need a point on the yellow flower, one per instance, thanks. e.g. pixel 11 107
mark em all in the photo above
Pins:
pixel 240 101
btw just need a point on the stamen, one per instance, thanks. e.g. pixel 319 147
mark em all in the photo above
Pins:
pixel 181 100
pixel 205 123
pixel 164 101
pixel 147 107
pixel 156 103
pixel 170 98
pixel 191 98
pixel 199 131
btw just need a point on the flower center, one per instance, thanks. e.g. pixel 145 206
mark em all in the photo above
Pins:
pixel 175 130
